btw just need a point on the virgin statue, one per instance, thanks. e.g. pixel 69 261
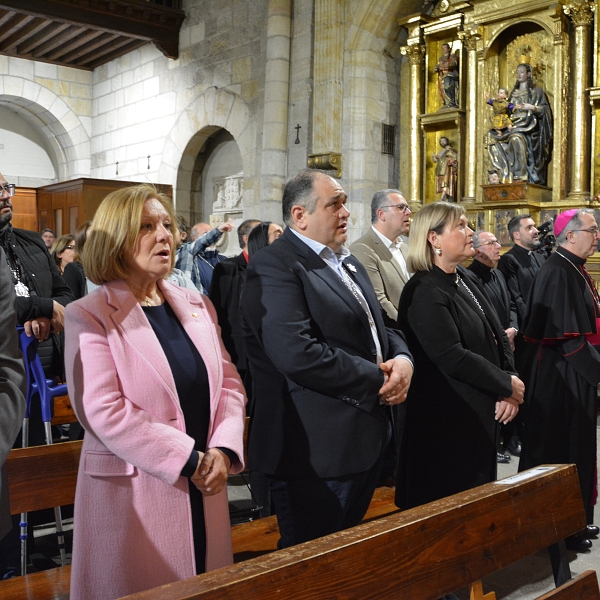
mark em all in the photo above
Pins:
pixel 523 151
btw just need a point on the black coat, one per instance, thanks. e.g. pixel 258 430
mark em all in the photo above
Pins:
pixel 74 276
pixel 463 364
pixel 313 359
pixel 496 289
pixel 225 291
pixel 42 276
pixel 12 385
pixel 519 267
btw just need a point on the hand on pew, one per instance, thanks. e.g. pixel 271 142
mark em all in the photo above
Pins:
pixel 212 472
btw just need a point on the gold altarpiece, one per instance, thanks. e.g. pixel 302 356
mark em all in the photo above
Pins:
pixel 490 38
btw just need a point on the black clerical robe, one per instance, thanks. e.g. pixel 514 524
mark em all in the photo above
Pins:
pixel 519 267
pixel 495 287
pixel 561 387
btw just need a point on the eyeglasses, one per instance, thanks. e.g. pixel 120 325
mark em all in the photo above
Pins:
pixel 9 188
pixel 490 243
pixel 592 230
pixel 71 247
pixel 405 208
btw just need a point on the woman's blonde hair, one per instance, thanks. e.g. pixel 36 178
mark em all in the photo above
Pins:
pixel 115 231
pixel 432 217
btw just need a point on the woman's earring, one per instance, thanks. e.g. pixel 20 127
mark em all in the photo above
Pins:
pixel 438 250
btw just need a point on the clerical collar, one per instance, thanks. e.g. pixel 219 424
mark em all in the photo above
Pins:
pixel 518 248
pixel 572 257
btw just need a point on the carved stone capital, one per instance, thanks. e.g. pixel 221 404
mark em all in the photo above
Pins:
pixel 469 39
pixel 415 53
pixel 580 11
pixel 331 161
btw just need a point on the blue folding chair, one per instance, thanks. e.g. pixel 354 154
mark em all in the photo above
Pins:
pixel 46 390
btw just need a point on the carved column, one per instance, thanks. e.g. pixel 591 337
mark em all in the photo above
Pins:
pixel 416 57
pixel 582 14
pixel 469 40
pixel 327 98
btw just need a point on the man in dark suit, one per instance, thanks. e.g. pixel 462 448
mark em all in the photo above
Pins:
pixel 225 290
pixel 325 368
pixel 12 390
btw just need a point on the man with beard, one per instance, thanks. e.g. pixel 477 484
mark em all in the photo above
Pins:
pixel 520 264
pixel 562 320
pixel 42 293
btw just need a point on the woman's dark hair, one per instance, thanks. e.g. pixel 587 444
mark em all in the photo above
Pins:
pixel 80 238
pixel 258 238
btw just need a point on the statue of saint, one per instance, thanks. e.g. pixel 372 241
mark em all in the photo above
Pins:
pixel 446 169
pixel 447 70
pixel 523 152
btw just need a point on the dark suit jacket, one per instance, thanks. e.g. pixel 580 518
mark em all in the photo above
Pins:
pixel 313 362
pixel 519 269
pixel 225 290
pixel 12 384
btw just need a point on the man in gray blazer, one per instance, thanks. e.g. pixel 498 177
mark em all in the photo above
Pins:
pixel 382 251
pixel 12 384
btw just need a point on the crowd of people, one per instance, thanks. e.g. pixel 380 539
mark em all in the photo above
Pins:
pixel 344 359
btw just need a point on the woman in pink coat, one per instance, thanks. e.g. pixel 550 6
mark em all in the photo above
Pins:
pixel 162 407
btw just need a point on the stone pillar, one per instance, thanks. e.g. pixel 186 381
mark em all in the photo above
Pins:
pixel 327 77
pixel 581 13
pixel 275 121
pixel 469 41
pixel 416 57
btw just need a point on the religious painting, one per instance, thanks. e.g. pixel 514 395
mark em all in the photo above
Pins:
pixel 502 219
pixel 480 221
pixel 547 215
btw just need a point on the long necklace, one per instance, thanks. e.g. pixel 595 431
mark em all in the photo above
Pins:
pixel 459 279
pixel 591 287
pixel 21 290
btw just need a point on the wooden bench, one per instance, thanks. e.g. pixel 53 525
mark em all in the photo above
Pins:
pixel 419 554
pixel 45 476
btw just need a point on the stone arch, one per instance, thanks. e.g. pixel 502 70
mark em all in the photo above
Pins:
pixel 52 117
pixel 209 112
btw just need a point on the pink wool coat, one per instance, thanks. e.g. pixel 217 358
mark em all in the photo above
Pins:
pixel 133 528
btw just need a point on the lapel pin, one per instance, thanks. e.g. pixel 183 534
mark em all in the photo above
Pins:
pixel 195 315
pixel 351 268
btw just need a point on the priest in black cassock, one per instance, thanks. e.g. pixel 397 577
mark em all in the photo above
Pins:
pixel 562 318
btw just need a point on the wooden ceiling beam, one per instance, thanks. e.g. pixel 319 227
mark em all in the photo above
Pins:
pixel 22 35
pixel 62 38
pixel 133 45
pixel 133 18
pixel 105 39
pixel 14 25
pixel 50 30
pixel 103 51
pixel 76 43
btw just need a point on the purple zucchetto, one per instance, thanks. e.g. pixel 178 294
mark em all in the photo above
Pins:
pixel 563 219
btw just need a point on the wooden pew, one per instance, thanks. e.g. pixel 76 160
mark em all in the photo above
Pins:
pixel 419 554
pixel 41 477
pixel 46 476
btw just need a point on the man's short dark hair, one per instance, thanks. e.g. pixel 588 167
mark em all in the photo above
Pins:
pixel 244 229
pixel 300 191
pixel 381 198
pixel 514 224
pixel 45 230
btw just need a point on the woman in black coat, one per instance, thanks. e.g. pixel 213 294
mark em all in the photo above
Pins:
pixel 464 382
